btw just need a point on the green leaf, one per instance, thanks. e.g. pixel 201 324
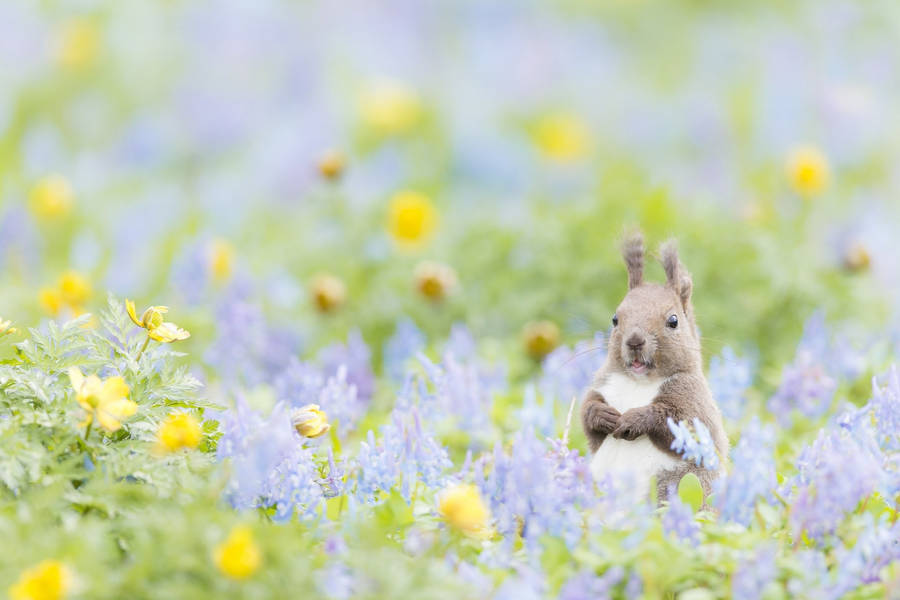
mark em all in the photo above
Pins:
pixel 690 491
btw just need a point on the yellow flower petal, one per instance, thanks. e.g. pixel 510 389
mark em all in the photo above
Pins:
pixel 238 556
pixel 168 332
pixel 412 218
pixel 111 414
pixel 129 308
pixel 114 387
pixel 48 580
pixel 76 377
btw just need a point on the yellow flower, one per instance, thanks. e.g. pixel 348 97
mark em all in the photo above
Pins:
pixel 152 321
pixel 328 292
pixel 540 337
pixel 6 328
pixel 48 580
pixel 332 164
pixel 50 300
pixel 179 430
pixel 221 260
pixel 390 108
pixel 74 289
pixel 309 421
pixel 463 508
pixel 107 401
pixel 238 556
pixel 435 280
pixel 807 171
pixel 51 197
pixel 562 137
pixel 411 218
pixel 79 41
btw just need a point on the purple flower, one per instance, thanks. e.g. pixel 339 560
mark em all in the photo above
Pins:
pixel 699 449
pixel 825 490
pixel 407 453
pixel 808 384
pixel 270 466
pixel 751 477
pixel 678 520
pixel 356 358
pixel 406 343
pixel 463 389
pixel 587 585
pixel 875 548
pixel 535 490
pixel 537 416
pixel 246 349
pixel 729 378
pixel 567 372
pixel 753 574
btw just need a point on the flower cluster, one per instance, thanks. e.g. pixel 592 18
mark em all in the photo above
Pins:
pixel 696 445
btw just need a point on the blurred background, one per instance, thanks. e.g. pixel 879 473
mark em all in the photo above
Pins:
pixel 287 174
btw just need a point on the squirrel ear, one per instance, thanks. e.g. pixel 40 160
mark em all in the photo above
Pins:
pixel 633 253
pixel 677 276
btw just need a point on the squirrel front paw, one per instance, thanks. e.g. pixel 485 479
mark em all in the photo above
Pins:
pixel 630 425
pixel 601 417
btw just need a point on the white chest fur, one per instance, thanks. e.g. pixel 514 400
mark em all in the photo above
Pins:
pixel 636 460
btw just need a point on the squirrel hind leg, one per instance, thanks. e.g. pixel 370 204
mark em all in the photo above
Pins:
pixel 669 480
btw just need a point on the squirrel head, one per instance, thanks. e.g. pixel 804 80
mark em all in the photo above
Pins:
pixel 654 333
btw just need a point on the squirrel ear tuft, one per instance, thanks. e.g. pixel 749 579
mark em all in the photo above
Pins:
pixel 677 276
pixel 633 253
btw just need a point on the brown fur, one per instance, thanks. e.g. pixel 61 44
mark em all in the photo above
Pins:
pixel 671 354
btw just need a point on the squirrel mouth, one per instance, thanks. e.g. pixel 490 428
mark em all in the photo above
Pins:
pixel 638 366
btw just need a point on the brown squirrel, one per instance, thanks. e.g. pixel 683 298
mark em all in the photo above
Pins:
pixel 653 372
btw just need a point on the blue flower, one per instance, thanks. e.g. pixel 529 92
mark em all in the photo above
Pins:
pixel 700 449
pixel 587 585
pixel 406 343
pixel 729 379
pixel 754 573
pixel 751 477
pixel 678 520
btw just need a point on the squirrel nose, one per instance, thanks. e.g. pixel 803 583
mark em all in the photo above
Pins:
pixel 635 341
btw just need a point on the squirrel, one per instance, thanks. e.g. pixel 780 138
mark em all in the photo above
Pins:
pixel 653 372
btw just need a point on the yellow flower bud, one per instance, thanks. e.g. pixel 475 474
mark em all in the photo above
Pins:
pixel 807 171
pixel 857 258
pixel 51 198
pixel 179 430
pixel 411 218
pixel 48 580
pixel 6 327
pixel 238 556
pixel 309 421
pixel 328 292
pixel 435 280
pixel 153 317
pixel 540 338
pixel 462 507
pixel 332 164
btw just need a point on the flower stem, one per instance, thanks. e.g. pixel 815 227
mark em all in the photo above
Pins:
pixel 87 431
pixel 141 351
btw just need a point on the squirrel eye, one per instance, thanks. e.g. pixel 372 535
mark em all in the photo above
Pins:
pixel 615 320
pixel 672 321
